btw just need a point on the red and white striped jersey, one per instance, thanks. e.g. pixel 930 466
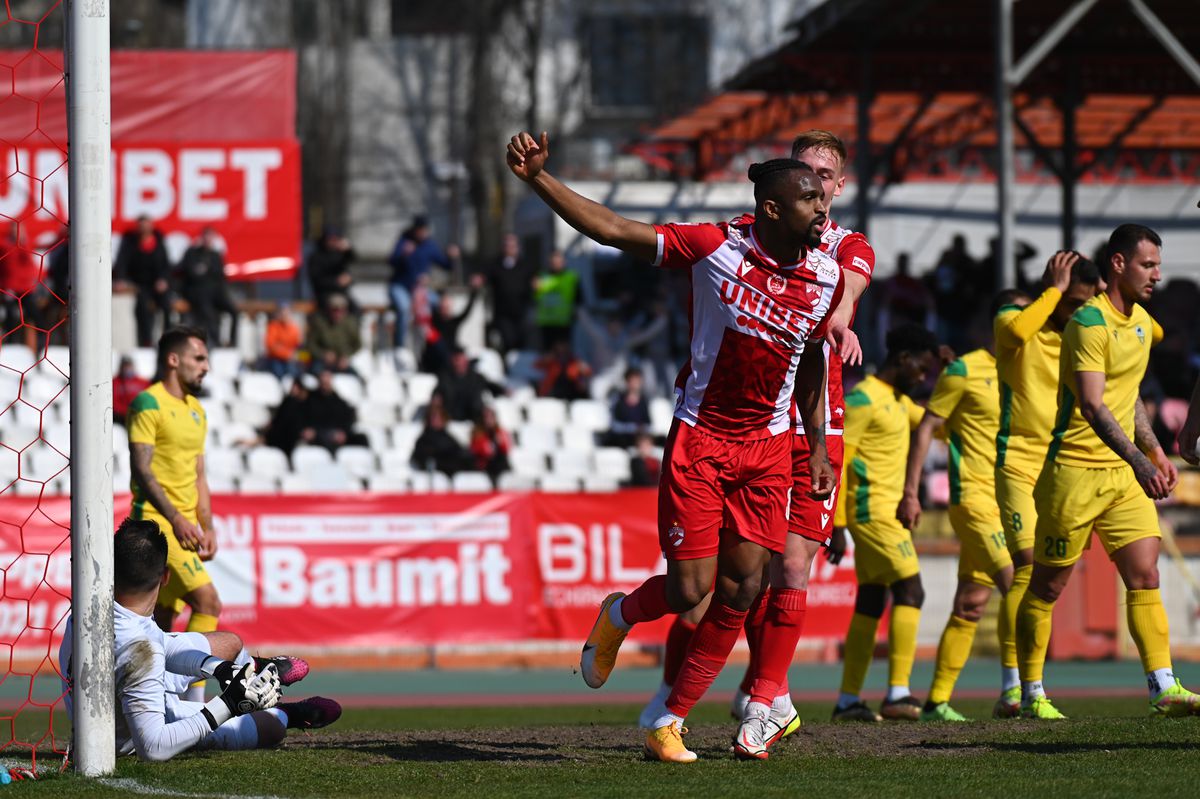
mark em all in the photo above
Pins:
pixel 853 254
pixel 751 318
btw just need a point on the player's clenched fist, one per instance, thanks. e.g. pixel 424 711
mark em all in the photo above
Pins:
pixel 526 157
pixel 245 693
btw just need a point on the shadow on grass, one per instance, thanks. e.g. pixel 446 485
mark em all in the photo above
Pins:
pixel 1056 747
pixel 428 751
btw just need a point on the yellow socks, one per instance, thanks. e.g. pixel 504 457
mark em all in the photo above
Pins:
pixel 952 654
pixel 902 643
pixel 1006 624
pixel 1033 636
pixel 202 623
pixel 1148 626
pixel 860 647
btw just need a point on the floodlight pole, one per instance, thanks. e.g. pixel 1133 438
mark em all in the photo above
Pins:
pixel 1005 173
pixel 90 251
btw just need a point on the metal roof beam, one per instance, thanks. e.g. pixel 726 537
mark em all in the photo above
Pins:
pixel 1050 39
pixel 1167 39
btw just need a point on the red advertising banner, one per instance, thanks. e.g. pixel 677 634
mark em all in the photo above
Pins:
pixel 199 139
pixel 384 571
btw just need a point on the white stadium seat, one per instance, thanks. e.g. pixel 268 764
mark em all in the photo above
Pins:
pixel 419 387
pixel 429 483
pixel 349 388
pixel 250 412
pixel 578 439
pixel 309 459
pixel 570 462
pixel 357 461
pixel 599 484
pixel 385 388
pixel 363 362
pixel 145 362
pixel 538 437
pixel 261 387
pixel 611 462
pixel 388 483
pixel 548 411
pixel 472 483
pixel 559 484
pixel 489 364
pixel 511 481
pixel 404 436
pixel 219 389
pixel 508 413
pixel 266 462
pixel 590 415
pixel 232 434
pixel 662 411
pixel 530 463
pixel 461 432
pixel 221 483
pixel 396 462
pixel 252 483
pixel 224 461
pixel 224 361
pixel 374 413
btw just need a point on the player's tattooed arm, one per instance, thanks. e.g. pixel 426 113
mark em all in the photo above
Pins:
pixel 140 458
pixel 1153 481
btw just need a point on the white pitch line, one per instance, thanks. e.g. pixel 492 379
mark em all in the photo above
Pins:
pixel 135 786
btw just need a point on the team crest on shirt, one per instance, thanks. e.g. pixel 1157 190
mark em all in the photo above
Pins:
pixel 675 534
pixel 1141 334
pixel 776 284
pixel 195 417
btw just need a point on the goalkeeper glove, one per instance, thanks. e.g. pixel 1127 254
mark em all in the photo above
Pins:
pixel 246 693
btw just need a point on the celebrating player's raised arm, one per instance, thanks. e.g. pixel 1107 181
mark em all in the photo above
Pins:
pixel 527 160
pixel 1013 327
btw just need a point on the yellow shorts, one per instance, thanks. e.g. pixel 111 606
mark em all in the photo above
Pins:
pixel 983 549
pixel 1074 500
pixel 883 552
pixel 1014 495
pixel 186 569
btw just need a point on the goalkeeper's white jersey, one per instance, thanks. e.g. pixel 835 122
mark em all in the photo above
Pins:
pixel 152 669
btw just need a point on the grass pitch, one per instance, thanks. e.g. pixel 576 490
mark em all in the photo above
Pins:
pixel 1108 748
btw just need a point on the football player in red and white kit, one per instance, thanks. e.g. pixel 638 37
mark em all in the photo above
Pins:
pixel 761 291
pixel 776 620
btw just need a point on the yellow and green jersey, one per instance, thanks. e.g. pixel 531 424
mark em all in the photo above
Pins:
pixel 1027 349
pixel 966 397
pixel 176 428
pixel 879 420
pixel 1099 338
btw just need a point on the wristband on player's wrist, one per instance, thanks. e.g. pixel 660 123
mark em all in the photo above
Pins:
pixel 216 712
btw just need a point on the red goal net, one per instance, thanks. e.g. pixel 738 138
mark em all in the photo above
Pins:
pixel 35 551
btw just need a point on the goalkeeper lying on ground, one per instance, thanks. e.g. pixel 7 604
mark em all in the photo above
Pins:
pixel 154 668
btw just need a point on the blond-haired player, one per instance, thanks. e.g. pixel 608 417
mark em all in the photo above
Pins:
pixel 1103 471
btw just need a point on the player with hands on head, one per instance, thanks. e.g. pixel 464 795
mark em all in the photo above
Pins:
pixel 761 292
pixel 1102 473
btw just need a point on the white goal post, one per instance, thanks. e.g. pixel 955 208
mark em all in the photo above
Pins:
pixel 86 60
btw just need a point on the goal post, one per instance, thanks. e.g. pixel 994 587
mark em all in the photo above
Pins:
pixel 90 255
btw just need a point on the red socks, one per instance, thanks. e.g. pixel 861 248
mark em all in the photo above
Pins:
pixel 777 644
pixel 754 625
pixel 711 644
pixel 647 602
pixel 678 639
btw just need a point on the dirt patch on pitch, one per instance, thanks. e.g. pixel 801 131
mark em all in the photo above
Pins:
pixel 604 743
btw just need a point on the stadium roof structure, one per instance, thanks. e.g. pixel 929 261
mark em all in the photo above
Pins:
pixel 1099 89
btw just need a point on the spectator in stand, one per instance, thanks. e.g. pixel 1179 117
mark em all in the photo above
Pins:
pixel 330 417
pixel 58 280
pixel 555 295
pixel 282 343
pixel 202 272
pixel 644 463
pixel 905 299
pixel 615 339
pixel 437 450
pixel 126 385
pixel 415 254
pixel 956 293
pixel 441 335
pixel 630 411
pixel 333 335
pixel 18 285
pixel 510 279
pixel 460 388
pixel 329 268
pixel 565 375
pixel 490 445
pixel 142 262
pixel 290 423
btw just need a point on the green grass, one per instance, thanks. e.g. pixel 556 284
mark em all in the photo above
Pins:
pixel 1108 748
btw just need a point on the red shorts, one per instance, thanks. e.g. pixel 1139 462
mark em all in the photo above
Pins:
pixel 810 517
pixel 709 483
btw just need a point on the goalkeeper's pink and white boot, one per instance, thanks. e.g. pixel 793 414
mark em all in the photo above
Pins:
pixel 291 670
pixel 312 713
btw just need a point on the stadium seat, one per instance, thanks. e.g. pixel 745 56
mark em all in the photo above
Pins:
pixel 224 461
pixel 599 484
pixel 388 483
pixel 261 387
pixel 378 438
pixel 538 437
pixel 511 481
pixel 385 388
pixel 461 431
pixel 28 488
pixel 508 413
pixel 472 483
pixel 590 415
pixel 429 483
pixel 611 462
pixel 376 413
pixel 570 463
pixel 578 439
pixel 215 411
pixel 249 412
pixel 41 462
pixel 396 462
pixel 363 362
pixel 402 360
pixel 145 362
pixel 266 462
pixel 43 385
pixel 221 483
pixel 233 434
pixel 662 411
pixel 253 483
pixel 404 436
pixel 60 355
pixel 527 462
pixel 308 459
pixel 488 363
pixel 18 436
pixel 357 461
pixel 121 463
pixel 225 361
pixel 349 388
pixel 548 411
pixel 558 484
pixel 219 388
pixel 419 387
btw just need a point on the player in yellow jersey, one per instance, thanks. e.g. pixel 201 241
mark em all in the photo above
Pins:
pixel 966 405
pixel 880 418
pixel 167 428
pixel 1027 344
pixel 1103 471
